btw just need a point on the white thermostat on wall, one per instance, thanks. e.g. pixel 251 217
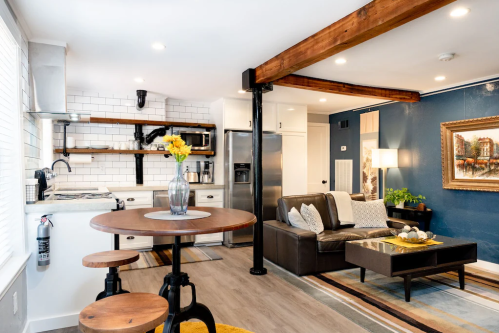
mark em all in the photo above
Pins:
pixel 343 148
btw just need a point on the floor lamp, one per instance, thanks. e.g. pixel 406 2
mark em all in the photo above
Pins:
pixel 384 159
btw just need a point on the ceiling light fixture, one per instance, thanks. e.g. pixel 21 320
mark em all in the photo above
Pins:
pixel 242 91
pixel 139 80
pixel 322 100
pixel 459 12
pixel 340 61
pixel 440 78
pixel 291 109
pixel 158 46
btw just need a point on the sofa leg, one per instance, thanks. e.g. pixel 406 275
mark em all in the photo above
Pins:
pixel 362 274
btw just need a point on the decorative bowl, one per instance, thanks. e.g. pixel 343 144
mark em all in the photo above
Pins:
pixel 410 240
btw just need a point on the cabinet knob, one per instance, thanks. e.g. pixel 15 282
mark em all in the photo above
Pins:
pixel 210 197
pixel 250 123
pixel 130 237
pixel 324 181
pixel 130 199
pixel 280 125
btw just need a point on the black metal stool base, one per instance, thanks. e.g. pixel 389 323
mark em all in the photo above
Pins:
pixel 258 271
pixel 170 290
pixel 112 285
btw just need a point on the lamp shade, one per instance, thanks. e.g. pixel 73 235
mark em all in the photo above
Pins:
pixel 385 158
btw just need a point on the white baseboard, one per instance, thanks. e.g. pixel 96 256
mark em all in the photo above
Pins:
pixel 486 266
pixel 48 324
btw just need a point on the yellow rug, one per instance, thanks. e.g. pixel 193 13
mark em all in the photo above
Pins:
pixel 198 327
pixel 399 242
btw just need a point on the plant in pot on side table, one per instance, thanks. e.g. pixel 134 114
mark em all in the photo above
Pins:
pixel 400 197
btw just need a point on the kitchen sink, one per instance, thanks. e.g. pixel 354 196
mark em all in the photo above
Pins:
pixel 79 189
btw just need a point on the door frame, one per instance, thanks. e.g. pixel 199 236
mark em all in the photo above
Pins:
pixel 327 126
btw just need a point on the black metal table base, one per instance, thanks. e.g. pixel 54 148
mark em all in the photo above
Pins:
pixel 112 285
pixel 170 290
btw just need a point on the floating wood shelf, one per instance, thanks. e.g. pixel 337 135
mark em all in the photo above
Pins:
pixel 116 151
pixel 96 120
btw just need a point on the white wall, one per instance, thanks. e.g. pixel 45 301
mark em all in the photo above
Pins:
pixel 114 169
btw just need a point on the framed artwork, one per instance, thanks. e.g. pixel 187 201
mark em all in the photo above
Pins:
pixel 369 140
pixel 470 154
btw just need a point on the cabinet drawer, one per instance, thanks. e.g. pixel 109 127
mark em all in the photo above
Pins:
pixel 211 204
pixel 135 242
pixel 207 196
pixel 135 198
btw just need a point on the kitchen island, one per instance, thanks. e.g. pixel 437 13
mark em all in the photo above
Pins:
pixel 59 291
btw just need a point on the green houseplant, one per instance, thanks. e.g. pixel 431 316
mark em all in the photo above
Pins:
pixel 399 197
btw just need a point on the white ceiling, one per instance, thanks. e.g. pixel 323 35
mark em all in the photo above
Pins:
pixel 210 43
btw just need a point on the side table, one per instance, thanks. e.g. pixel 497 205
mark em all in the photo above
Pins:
pixel 411 214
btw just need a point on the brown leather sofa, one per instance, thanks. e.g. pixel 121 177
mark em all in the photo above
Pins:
pixel 302 252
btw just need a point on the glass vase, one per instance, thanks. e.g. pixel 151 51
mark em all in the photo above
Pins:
pixel 178 192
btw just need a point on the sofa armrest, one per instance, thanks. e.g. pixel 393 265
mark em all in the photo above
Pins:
pixel 291 248
pixel 400 223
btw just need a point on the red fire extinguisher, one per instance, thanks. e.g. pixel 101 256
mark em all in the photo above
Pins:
pixel 43 239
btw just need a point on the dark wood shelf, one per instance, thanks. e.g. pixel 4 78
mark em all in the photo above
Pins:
pixel 115 151
pixel 96 120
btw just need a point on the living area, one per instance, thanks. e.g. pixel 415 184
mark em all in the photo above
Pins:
pixel 173 167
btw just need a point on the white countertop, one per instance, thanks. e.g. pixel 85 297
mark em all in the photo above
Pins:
pixel 163 188
pixel 49 206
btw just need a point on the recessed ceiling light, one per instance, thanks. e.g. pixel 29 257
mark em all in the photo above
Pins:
pixel 440 78
pixel 322 100
pixel 242 91
pixel 158 46
pixel 139 80
pixel 459 12
pixel 340 61
pixel 291 109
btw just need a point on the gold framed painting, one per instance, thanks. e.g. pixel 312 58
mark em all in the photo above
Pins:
pixel 470 154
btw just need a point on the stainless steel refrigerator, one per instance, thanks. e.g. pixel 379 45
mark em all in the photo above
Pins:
pixel 239 179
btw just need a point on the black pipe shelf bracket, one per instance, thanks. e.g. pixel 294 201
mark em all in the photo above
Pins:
pixel 139 158
pixel 64 152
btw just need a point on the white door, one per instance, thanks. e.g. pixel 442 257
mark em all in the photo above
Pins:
pixel 318 158
pixel 294 164
pixel 269 117
pixel 237 114
pixel 291 118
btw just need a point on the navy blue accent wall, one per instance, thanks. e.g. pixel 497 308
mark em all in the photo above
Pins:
pixel 414 128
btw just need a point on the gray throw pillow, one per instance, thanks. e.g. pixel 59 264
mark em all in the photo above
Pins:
pixel 312 217
pixel 369 214
pixel 297 220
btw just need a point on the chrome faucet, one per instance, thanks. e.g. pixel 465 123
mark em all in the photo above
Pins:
pixel 61 160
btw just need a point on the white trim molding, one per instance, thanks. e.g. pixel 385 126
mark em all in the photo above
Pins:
pixel 486 266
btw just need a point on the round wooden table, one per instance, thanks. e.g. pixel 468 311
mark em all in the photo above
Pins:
pixel 133 222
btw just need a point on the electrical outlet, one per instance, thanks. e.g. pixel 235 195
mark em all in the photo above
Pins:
pixel 343 148
pixel 14 301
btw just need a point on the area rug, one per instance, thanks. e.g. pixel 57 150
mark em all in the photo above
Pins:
pixel 163 257
pixel 198 327
pixel 437 304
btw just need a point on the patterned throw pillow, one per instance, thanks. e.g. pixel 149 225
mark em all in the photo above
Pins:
pixel 312 217
pixel 369 214
pixel 297 220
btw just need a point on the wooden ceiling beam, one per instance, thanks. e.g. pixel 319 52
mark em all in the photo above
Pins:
pixel 333 87
pixel 374 19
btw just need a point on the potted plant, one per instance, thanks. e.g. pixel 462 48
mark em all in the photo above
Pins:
pixel 400 197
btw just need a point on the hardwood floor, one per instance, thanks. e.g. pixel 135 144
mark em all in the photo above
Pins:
pixel 261 304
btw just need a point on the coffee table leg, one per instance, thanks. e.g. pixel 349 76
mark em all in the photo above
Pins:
pixel 362 274
pixel 407 287
pixel 170 290
pixel 460 271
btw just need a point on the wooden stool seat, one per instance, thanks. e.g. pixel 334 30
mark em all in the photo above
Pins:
pixel 126 313
pixel 111 258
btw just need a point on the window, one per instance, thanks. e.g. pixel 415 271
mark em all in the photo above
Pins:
pixel 11 199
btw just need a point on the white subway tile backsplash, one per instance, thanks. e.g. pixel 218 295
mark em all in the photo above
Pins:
pixel 106 108
pixel 82 99
pixel 90 93
pixel 98 100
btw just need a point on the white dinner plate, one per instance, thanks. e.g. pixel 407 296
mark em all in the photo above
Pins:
pixel 99 147
pixel 81 147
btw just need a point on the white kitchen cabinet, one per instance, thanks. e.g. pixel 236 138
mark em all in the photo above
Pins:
pixel 237 114
pixel 136 200
pixel 291 118
pixel 294 163
pixel 209 198
pixel 269 120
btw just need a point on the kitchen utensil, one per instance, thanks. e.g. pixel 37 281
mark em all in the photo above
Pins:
pixel 123 146
pixel 116 145
pixel 31 190
pixel 191 177
pixel 99 146
pixel 131 144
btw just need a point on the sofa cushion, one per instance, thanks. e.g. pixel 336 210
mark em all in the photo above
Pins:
pixel 334 240
pixel 370 214
pixel 297 220
pixel 333 211
pixel 312 218
pixel 318 200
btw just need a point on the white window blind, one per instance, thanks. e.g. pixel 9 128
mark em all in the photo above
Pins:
pixel 10 161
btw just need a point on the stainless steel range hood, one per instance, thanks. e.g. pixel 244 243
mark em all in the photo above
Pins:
pixel 48 83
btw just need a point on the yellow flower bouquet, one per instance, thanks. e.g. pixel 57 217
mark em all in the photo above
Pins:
pixel 178 188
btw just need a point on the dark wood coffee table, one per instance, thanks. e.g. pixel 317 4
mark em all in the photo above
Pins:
pixel 393 260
